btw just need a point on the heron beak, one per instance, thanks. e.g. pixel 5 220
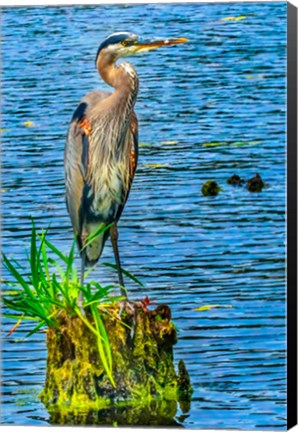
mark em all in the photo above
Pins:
pixel 148 46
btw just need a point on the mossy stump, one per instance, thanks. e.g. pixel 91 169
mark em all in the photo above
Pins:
pixel 143 368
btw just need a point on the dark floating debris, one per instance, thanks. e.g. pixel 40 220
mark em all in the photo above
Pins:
pixel 235 180
pixel 210 188
pixel 255 184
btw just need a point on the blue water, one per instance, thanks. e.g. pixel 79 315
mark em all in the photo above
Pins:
pixel 225 86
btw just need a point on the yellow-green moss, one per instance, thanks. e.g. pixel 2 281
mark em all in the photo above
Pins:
pixel 155 412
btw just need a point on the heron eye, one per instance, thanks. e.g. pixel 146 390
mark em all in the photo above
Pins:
pixel 124 43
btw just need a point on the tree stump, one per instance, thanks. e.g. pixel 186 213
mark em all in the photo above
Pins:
pixel 77 388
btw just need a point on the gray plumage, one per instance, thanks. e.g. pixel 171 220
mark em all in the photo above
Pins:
pixel 98 174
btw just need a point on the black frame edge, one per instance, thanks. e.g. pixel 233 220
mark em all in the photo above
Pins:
pixel 291 215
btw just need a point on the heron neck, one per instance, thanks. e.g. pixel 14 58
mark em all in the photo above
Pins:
pixel 122 77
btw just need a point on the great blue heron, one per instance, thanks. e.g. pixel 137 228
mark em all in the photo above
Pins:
pixel 101 151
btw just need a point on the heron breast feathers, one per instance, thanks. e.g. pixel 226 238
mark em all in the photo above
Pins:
pixel 108 194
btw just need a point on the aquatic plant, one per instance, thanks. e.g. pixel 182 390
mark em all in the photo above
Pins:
pixel 53 287
pixel 210 188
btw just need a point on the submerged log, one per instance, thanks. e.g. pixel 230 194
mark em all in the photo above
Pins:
pixel 143 368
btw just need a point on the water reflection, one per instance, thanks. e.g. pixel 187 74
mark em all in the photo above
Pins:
pixel 156 413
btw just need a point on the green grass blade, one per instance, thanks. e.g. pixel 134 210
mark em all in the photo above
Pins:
pixel 113 299
pixel 91 302
pixel 102 331
pixel 17 306
pixel 99 339
pixel 48 321
pixel 57 286
pixel 101 293
pixel 75 277
pixel 12 270
pixel 12 293
pixel 44 287
pixel 37 308
pixel 17 264
pixel 58 267
pixel 27 306
pixel 36 328
pixel 33 258
pixel 97 232
pixel 45 259
pixel 103 345
pixel 84 290
pixel 89 271
pixel 42 261
pixel 52 301
pixel 17 317
pixel 129 275
pixel 42 238
pixel 23 310
pixel 86 322
pixel 56 251
pixel 70 260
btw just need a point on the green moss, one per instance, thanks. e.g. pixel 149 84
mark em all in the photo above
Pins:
pixel 158 318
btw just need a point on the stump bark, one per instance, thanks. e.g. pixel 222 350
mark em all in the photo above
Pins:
pixel 143 369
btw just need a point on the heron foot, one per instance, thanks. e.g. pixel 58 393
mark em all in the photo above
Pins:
pixel 131 308
pixel 126 305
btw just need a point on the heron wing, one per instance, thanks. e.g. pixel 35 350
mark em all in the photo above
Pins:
pixel 133 158
pixel 76 156
pixel 134 151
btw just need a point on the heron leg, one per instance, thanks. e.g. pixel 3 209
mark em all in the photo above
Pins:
pixel 83 262
pixel 124 303
pixel 114 240
pixel 83 259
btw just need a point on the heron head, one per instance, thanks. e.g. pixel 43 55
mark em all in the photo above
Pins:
pixel 125 44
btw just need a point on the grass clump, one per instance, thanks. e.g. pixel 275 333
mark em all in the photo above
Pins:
pixel 53 286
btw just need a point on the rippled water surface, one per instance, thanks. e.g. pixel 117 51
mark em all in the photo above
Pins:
pixel 207 109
